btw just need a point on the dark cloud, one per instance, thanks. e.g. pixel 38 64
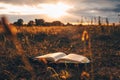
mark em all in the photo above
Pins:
pixel 105 10
pixel 115 9
pixel 118 5
pixel 114 0
pixel 95 7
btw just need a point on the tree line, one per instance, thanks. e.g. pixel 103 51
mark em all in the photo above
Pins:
pixel 38 22
pixel 41 22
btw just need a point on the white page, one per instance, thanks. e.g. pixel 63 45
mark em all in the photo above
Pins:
pixel 52 56
pixel 74 58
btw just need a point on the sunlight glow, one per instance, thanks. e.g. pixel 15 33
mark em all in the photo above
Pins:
pixel 55 10
pixel 51 10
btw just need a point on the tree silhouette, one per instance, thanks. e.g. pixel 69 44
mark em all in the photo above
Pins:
pixel 91 21
pixel 47 24
pixel 81 21
pixel 57 23
pixel 19 22
pixel 99 21
pixel 39 22
pixel 69 24
pixel 30 23
pixel 107 21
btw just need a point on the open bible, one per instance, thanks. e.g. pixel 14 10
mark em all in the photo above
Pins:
pixel 60 57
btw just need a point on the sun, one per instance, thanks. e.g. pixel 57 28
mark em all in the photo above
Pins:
pixel 55 10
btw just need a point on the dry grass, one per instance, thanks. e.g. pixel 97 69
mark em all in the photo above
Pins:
pixel 42 40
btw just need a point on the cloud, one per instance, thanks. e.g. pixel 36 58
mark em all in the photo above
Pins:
pixel 15 2
pixel 1 8
pixel 117 9
pixel 27 2
pixel 95 7
pixel 114 0
pixel 80 7
pixel 112 8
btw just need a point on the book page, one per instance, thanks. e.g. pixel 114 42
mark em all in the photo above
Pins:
pixel 74 58
pixel 52 56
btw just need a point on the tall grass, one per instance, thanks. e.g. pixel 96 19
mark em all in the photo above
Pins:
pixel 42 40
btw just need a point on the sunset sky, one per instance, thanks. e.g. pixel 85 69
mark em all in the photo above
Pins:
pixel 63 10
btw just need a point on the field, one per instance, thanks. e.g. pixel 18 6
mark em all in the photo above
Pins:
pixel 104 49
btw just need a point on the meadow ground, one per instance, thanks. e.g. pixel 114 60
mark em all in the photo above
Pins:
pixel 105 49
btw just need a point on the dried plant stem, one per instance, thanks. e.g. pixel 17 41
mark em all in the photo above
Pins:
pixel 91 57
pixel 12 35
pixel 25 60
pixel 52 69
pixel 85 51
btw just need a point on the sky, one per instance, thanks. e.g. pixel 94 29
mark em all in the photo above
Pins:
pixel 63 10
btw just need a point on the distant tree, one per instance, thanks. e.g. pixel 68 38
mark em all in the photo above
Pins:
pixel 15 23
pixel 94 20
pixel 119 18
pixel 19 22
pixel 47 24
pixel 30 23
pixel 107 21
pixel 99 21
pixel 91 21
pixel 81 21
pixel 69 24
pixel 39 22
pixel 57 23
pixel 113 24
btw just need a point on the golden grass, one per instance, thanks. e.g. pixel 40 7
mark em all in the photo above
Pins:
pixel 66 39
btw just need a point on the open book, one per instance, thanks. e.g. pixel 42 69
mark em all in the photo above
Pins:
pixel 60 57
